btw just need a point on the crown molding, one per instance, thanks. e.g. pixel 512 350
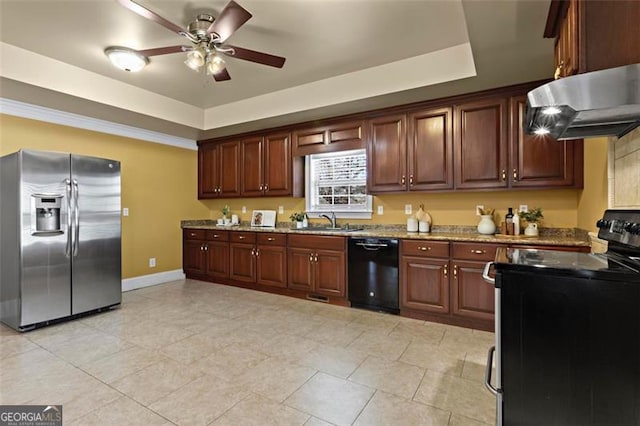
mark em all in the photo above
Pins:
pixel 49 115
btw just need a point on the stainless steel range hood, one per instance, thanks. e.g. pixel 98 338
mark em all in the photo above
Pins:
pixel 599 103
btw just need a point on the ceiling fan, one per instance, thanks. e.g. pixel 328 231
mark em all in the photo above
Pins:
pixel 207 35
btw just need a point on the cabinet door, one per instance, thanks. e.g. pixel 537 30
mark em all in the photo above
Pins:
pixel 566 51
pixel 472 296
pixel 300 268
pixel 252 172
pixel 217 259
pixel 424 284
pixel 242 262
pixel 208 171
pixel 430 149
pixel 386 154
pixel 330 273
pixel 480 136
pixel 272 266
pixel 229 169
pixel 540 161
pixel 277 164
pixel 193 257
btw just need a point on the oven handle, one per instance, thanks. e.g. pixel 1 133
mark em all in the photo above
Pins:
pixel 487 372
pixel 485 273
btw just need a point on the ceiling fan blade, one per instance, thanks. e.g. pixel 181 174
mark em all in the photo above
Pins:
pixel 222 75
pixel 254 56
pixel 146 13
pixel 164 50
pixel 232 17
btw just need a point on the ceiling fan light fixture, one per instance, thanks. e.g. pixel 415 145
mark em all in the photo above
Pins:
pixel 195 59
pixel 126 59
pixel 215 64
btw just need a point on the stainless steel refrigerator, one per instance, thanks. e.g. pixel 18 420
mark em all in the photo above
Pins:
pixel 60 233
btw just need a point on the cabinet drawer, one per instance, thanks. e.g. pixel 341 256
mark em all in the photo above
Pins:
pixel 474 251
pixel 317 242
pixel 215 235
pixel 194 234
pixel 243 237
pixel 425 248
pixel 267 238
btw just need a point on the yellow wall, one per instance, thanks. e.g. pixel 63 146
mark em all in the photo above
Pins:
pixel 593 200
pixel 159 186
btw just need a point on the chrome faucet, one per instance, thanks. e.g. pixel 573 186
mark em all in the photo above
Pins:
pixel 331 219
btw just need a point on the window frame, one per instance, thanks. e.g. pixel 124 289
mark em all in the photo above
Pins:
pixel 366 212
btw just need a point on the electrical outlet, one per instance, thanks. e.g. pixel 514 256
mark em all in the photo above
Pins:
pixel 478 208
pixel 407 209
pixel 380 210
pixel 125 211
pixel 523 208
pixel 152 262
pixel 244 209
pixel 280 210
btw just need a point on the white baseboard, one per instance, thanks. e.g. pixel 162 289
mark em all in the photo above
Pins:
pixel 152 279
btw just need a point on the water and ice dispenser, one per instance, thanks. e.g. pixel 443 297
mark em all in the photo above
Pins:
pixel 46 209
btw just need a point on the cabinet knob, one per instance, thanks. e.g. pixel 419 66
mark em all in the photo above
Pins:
pixel 402 180
pixel 315 258
pixel 271 239
pixel 478 251
pixel 424 248
pixel 311 258
pixel 261 188
pixel 515 175
pixel 257 252
pixel 266 187
pixel 241 237
pixel 215 236
pixel 411 180
pixel 206 247
pixel 504 175
pixel 446 270
pixel 455 271
pixel 192 234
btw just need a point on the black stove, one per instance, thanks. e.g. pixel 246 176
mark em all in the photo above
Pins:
pixel 568 331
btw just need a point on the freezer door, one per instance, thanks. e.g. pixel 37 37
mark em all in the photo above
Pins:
pixel 45 263
pixel 96 262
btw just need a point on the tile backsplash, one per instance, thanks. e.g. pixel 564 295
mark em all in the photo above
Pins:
pixel 624 172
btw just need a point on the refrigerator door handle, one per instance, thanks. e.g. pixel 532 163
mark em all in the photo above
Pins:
pixel 67 251
pixel 76 235
pixel 487 373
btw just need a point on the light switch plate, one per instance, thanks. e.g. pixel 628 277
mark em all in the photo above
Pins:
pixel 152 262
pixel 380 210
pixel 125 211
pixel 478 208
pixel 523 208
pixel 280 209
pixel 407 209
pixel 244 209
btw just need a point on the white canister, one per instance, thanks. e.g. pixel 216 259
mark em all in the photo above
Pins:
pixel 234 219
pixel 424 226
pixel 412 224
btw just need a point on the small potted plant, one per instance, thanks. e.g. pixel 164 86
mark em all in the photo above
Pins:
pixel 532 217
pixel 299 218
pixel 225 213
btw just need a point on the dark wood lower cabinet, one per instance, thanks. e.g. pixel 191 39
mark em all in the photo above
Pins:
pixel 300 269
pixel 217 259
pixel 243 262
pixel 272 266
pixel 471 295
pixel 193 257
pixel 425 284
pixel 330 273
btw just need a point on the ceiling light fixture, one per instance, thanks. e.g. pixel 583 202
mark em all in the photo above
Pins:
pixel 126 59
pixel 541 131
pixel 215 64
pixel 551 110
pixel 196 58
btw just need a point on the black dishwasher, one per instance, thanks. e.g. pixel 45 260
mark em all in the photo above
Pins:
pixel 373 274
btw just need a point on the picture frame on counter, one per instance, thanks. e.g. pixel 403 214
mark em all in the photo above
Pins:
pixel 263 218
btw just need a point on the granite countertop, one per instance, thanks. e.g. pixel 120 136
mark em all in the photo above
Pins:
pixel 550 237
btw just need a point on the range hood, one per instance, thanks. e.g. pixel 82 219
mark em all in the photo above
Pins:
pixel 598 103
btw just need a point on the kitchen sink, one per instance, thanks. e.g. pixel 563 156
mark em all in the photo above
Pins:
pixel 330 229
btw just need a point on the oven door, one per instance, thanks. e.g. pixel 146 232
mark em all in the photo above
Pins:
pixel 495 352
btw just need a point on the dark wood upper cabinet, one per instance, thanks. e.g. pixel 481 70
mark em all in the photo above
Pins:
pixel 218 170
pixel 430 149
pixel 331 137
pixel 386 154
pixel 277 164
pixel 593 35
pixel 252 167
pixel 480 136
pixel 538 161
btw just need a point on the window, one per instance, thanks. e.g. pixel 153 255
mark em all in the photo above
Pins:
pixel 337 181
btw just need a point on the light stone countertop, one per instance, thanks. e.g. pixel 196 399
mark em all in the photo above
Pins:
pixel 557 237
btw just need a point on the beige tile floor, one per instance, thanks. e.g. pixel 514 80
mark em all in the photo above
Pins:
pixel 195 353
